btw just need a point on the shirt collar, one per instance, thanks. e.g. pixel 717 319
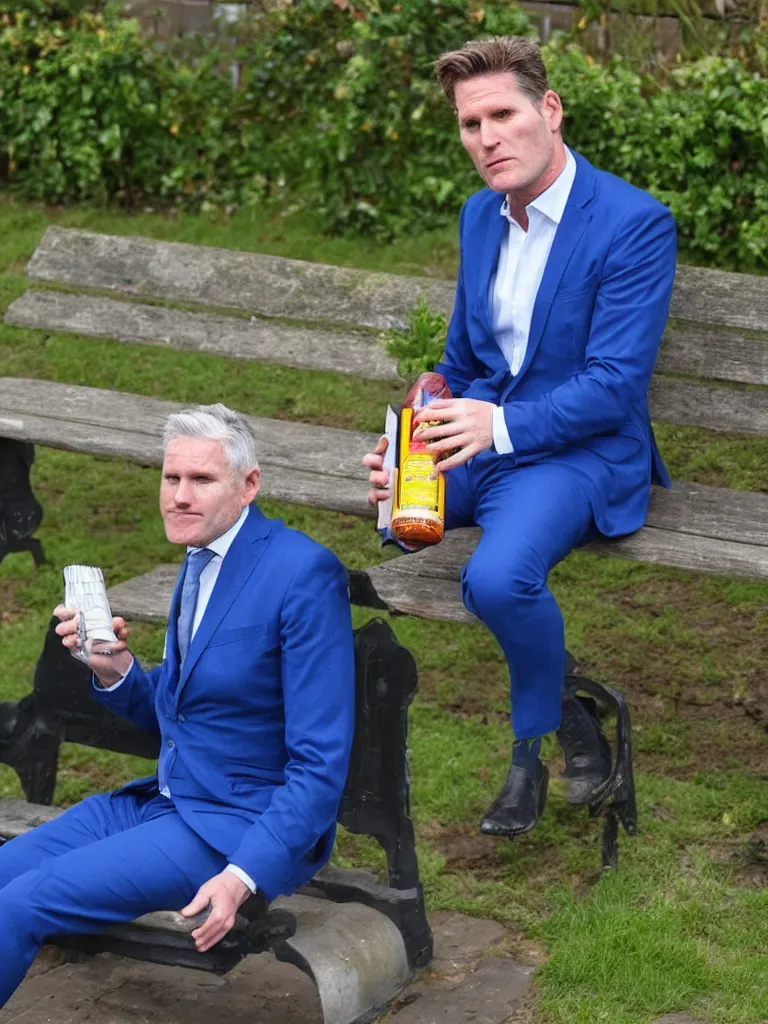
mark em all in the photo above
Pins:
pixel 552 200
pixel 223 543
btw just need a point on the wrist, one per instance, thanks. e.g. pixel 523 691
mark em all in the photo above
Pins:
pixel 112 670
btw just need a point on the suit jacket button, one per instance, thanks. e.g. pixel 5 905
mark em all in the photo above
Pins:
pixel 171 744
pixel 182 719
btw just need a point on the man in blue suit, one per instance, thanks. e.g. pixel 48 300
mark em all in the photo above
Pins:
pixel 253 705
pixel 563 292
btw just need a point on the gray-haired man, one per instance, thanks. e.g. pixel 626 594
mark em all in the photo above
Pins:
pixel 253 706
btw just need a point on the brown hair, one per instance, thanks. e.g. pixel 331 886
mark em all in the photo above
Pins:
pixel 501 54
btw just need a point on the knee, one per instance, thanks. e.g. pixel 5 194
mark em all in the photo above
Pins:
pixel 16 904
pixel 490 585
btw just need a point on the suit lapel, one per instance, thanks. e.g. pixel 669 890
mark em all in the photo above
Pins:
pixel 172 641
pixel 569 232
pixel 236 569
pixel 487 348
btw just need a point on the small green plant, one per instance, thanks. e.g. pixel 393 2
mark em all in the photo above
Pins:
pixel 420 347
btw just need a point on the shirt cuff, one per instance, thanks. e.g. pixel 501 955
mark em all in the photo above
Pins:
pixel 246 879
pixel 501 439
pixel 108 689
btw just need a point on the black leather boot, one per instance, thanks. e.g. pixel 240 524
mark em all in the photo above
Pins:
pixel 521 802
pixel 586 750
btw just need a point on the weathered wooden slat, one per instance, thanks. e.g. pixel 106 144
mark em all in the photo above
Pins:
pixel 710 296
pixel 708 529
pixel 715 512
pixel 727 410
pixel 699 351
pixel 270 285
pixel 145 598
pixel 276 286
pixel 357 354
pixel 714 353
pixel 427 584
pixel 687 551
pixel 301 463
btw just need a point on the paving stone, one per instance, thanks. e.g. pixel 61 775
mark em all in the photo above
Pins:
pixel 111 990
pixel 459 938
pixel 59 994
pixel 487 995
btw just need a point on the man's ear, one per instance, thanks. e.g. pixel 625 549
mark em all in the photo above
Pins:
pixel 552 110
pixel 252 485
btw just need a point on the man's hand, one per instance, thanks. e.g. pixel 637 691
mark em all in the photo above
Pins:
pixel 109 668
pixel 224 893
pixel 465 424
pixel 378 477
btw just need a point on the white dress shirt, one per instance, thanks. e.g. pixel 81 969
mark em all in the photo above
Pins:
pixel 522 259
pixel 208 578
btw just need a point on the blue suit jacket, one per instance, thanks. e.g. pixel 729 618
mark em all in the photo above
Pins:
pixel 256 731
pixel 580 396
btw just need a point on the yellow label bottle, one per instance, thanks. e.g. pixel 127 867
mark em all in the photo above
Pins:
pixel 418 516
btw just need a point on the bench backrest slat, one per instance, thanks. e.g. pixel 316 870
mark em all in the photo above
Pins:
pixel 719 330
pixel 269 285
pixel 712 353
pixel 728 410
pixel 706 296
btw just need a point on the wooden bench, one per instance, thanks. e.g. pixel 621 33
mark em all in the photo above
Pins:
pixel 712 373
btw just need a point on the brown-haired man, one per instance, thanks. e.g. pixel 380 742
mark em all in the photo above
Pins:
pixel 563 292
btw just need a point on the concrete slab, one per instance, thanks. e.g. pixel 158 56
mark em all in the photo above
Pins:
pixel 111 990
pixel 459 938
pixel 465 984
pixel 487 994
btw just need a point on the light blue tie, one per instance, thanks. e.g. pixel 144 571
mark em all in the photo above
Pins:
pixel 196 562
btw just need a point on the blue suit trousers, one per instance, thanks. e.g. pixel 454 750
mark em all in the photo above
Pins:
pixel 109 859
pixel 532 516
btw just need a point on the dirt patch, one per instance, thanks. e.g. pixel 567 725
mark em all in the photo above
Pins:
pixel 746 860
pixel 11 608
pixel 464 849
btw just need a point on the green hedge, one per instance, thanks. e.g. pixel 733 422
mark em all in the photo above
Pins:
pixel 338 110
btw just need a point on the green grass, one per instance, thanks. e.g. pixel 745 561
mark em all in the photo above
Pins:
pixel 683 923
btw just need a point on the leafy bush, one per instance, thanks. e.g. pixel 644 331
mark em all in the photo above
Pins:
pixel 338 110
pixel 362 129
pixel 90 111
pixel 698 142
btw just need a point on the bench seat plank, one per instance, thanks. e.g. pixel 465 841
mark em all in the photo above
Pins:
pixel 355 354
pixel 270 285
pixel 427 586
pixel 301 463
pixel 304 464
pixel 707 529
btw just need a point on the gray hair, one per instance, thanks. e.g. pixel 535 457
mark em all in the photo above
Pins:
pixel 513 55
pixel 215 423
